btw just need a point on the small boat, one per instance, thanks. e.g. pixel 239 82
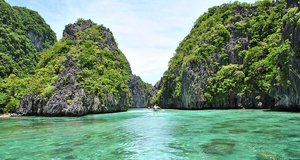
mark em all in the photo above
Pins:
pixel 156 108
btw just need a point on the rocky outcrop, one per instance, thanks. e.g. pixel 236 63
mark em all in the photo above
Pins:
pixel 37 30
pixel 141 92
pixel 288 97
pixel 23 36
pixel 36 39
pixel 71 95
pixel 68 99
pixel 292 3
pixel 267 66
pixel 31 105
pixel 71 31
pixel 107 41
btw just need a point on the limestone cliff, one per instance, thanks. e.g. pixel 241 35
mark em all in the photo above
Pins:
pixel 141 92
pixel 86 73
pixel 288 98
pixel 23 36
pixel 237 55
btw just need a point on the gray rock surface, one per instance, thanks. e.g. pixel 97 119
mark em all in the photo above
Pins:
pixel 288 98
pixel 71 30
pixel 194 76
pixel 69 97
pixel 31 105
pixel 37 40
pixel 140 94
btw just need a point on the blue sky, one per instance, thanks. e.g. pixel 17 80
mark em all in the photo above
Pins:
pixel 147 31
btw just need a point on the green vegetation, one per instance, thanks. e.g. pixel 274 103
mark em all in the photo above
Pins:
pixel 147 86
pixel 48 69
pixel 23 34
pixel 227 81
pixel 30 62
pixel 18 49
pixel 103 72
pixel 141 92
pixel 242 48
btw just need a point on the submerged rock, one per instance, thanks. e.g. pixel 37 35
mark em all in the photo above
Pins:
pixel 219 147
pixel 267 156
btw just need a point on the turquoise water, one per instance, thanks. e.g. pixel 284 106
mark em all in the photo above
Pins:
pixel 144 134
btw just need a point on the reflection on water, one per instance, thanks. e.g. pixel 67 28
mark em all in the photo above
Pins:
pixel 143 134
pixel 151 136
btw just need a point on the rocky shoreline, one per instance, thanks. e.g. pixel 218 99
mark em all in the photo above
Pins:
pixel 8 115
pixel 82 87
pixel 229 64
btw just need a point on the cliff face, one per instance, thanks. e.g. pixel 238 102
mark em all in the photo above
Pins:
pixel 141 92
pixel 86 73
pixel 23 35
pixel 237 55
pixel 37 30
pixel 288 98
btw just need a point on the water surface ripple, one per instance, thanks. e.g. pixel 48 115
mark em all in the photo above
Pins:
pixel 144 134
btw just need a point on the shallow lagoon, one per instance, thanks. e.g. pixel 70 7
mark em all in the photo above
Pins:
pixel 144 134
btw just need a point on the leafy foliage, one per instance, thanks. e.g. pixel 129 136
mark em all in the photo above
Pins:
pixel 23 34
pixel 227 81
pixel 242 47
pixel 103 72
pixel 18 25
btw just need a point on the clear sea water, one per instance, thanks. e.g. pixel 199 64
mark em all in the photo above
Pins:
pixel 145 135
